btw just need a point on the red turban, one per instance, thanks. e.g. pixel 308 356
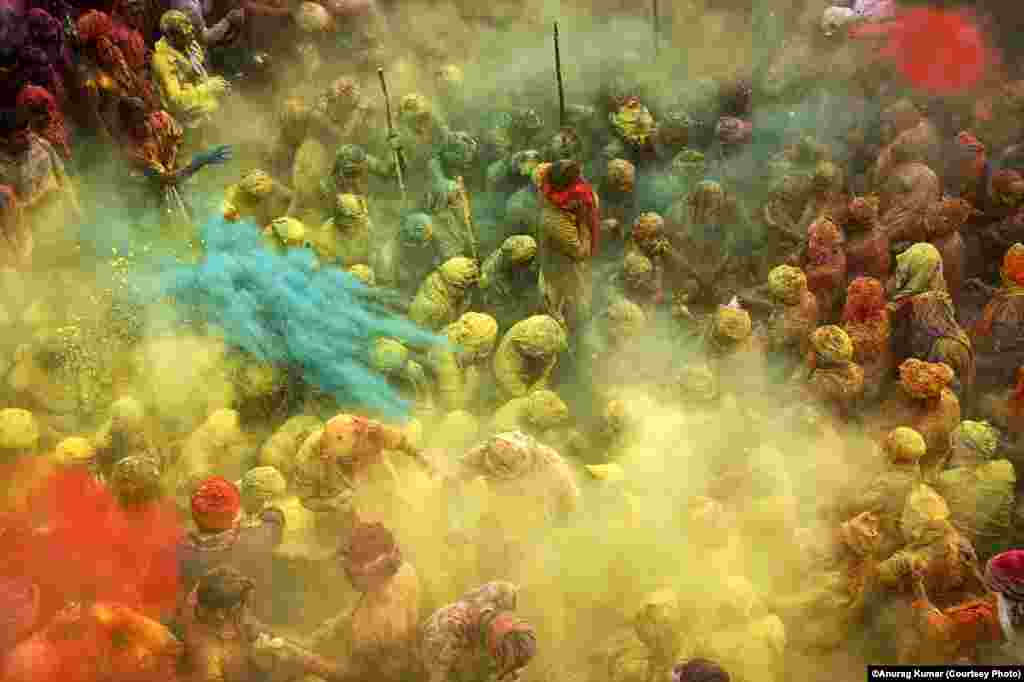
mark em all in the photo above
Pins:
pixel 865 300
pixel 215 504
pixel 1005 574
pixel 37 100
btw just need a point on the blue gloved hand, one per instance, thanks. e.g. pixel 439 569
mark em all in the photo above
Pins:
pixel 213 156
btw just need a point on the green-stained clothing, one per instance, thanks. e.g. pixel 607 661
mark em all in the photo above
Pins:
pixel 981 501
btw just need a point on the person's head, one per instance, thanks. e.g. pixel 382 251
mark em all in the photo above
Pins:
pixel 459 152
pixel 389 356
pixel 177 28
pixel 460 273
pixel 620 176
pixel 1004 575
pixel 832 346
pixel 787 284
pixel 564 173
pixel 904 445
pixel 707 202
pixel 865 301
pixel 511 642
pixel 925 380
pixel 36 106
pixel 135 481
pixel 261 486
pixel 519 251
pixel 974 443
pixel 1008 188
pixel 689 163
pixel 542 337
pixel 674 129
pixel 638 273
pixel 546 410
pixel 648 228
pixel 926 514
pixel 1013 266
pixel 474 336
pixel 699 670
pixel 342 96
pixel 731 325
pixel 216 504
pixel 223 597
pixel 351 169
pixel 415 110
pixel 372 556
pixel 863 213
pixel 416 231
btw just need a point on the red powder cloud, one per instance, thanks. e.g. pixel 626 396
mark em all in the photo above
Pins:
pixel 940 51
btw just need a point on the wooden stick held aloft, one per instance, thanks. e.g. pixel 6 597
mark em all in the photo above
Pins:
pixel 558 75
pixel 399 161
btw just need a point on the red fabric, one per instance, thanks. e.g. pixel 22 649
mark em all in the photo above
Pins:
pixel 215 504
pixel 581 192
pixel 1005 573
pixel 503 624
pixel 94 25
pixel 38 100
pixel 865 300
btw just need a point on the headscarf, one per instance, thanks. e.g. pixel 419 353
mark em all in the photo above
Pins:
pixel 1013 285
pixel 510 455
pixel 648 226
pixel 947 216
pixel 475 332
pixel 256 184
pixel 934 312
pixel 699 670
pixel 1007 186
pixel 977 436
pixel 904 444
pixel 925 510
pixel 864 212
pixel 633 122
pixel 1004 574
pixel 263 483
pixel 460 272
pixel 543 337
pixel 925 380
pixel 621 175
pixel 373 556
pixel 707 207
pixel 865 301
pixel 215 504
pixel 832 345
pixel 581 192
pixel 1013 268
pixel 416 229
pixel 36 100
pixel 511 653
pixel 136 480
pixel 787 284
pixel 732 323
pixel 546 410
pixel 919 270
pixel 519 249
pixel 824 242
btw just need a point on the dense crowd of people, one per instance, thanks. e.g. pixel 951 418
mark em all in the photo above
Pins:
pixel 807 279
